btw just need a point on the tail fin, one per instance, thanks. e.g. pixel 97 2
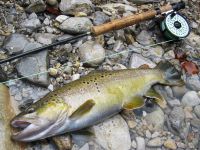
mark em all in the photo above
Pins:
pixel 171 75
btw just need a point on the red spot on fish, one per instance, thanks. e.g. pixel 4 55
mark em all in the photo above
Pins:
pixel 190 67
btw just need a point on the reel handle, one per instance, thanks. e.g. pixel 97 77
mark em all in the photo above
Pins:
pixel 133 19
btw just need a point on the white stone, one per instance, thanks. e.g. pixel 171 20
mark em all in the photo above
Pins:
pixel 113 134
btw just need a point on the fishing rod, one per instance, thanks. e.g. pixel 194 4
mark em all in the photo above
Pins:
pixel 175 26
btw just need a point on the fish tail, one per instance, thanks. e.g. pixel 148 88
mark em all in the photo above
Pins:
pixel 171 75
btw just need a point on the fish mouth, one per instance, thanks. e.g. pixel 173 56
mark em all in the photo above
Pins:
pixel 21 124
pixel 25 130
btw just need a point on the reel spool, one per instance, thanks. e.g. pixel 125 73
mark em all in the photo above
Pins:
pixel 175 26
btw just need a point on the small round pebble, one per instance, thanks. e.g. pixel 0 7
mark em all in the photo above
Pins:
pixel 170 144
pixel 53 72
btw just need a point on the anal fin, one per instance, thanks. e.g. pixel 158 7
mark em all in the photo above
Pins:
pixel 157 98
pixel 83 109
pixel 134 103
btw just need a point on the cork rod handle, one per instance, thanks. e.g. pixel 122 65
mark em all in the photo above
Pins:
pixel 127 21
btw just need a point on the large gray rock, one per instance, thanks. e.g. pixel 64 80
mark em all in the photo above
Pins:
pixel 91 53
pixel 32 22
pixel 156 118
pixel 15 43
pixel 113 134
pixel 191 98
pixel 138 60
pixel 72 7
pixel 76 25
pixel 34 64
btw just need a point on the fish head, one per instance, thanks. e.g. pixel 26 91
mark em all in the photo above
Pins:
pixel 40 120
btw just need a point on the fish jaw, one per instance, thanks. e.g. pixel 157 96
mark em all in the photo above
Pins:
pixel 29 131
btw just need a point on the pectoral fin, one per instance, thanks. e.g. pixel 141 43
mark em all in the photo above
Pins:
pixel 83 109
pixel 135 102
pixel 151 93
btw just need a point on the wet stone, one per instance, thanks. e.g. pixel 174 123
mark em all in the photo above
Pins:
pixel 170 144
pixel 197 110
pixel 140 143
pixel 12 45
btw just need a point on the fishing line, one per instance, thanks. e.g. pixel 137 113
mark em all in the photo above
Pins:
pixel 117 53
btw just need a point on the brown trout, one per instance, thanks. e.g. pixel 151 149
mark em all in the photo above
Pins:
pixel 90 100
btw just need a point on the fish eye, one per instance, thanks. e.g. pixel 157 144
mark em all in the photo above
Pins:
pixel 30 110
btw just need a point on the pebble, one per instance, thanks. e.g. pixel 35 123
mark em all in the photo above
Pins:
pixel 197 111
pixel 148 134
pixel 45 38
pixel 85 147
pixel 63 142
pixel 156 118
pixel 138 60
pixel 72 7
pixel 91 53
pixel 36 6
pixel 100 18
pixel 12 45
pixel 140 143
pixel 170 144
pixel 75 77
pixel 134 144
pixel 190 98
pixel 108 138
pixel 76 25
pixel 53 72
pixel 193 82
pixel 31 23
pixel 156 142
pixel 154 53
pixel 176 118
pixel 144 38
pixel 61 18
pixel 169 55
pixel 52 2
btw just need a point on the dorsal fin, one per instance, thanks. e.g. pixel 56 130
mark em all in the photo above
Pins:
pixel 83 109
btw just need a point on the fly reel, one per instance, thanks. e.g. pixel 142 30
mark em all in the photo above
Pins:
pixel 175 26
